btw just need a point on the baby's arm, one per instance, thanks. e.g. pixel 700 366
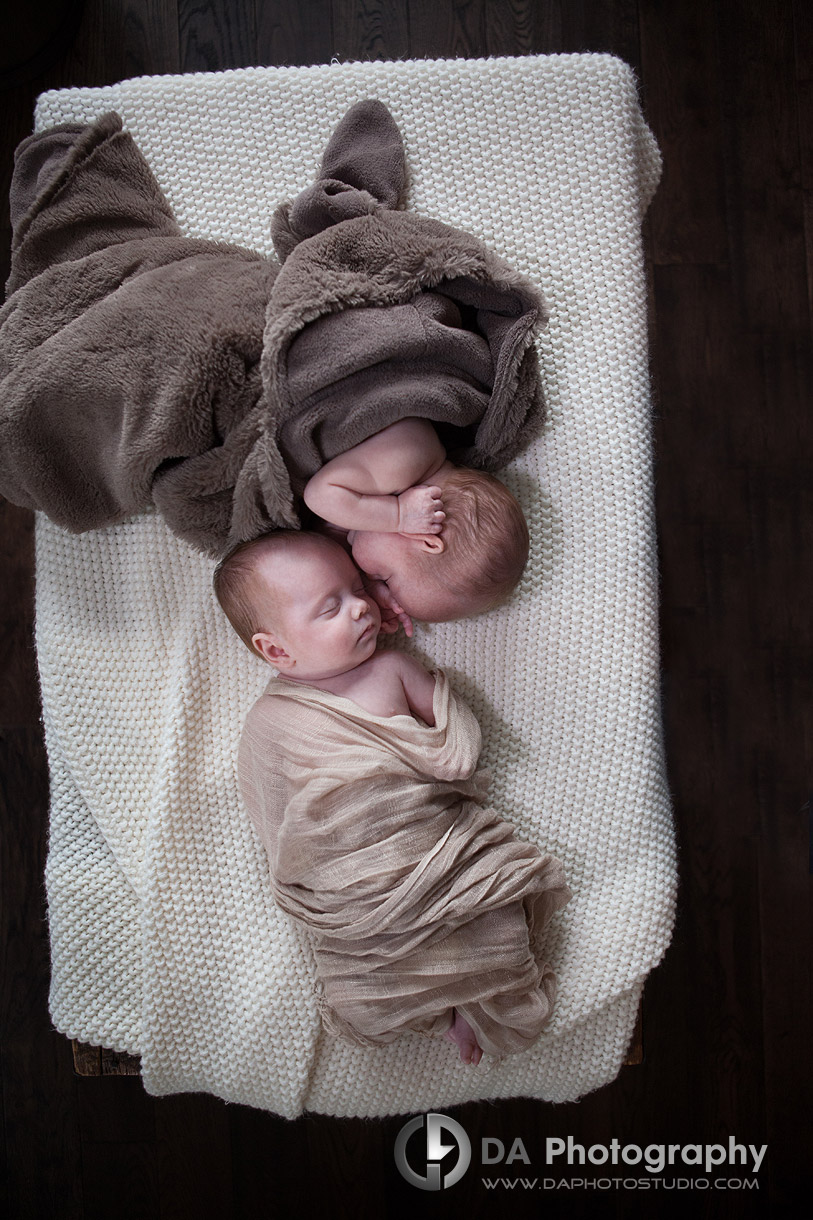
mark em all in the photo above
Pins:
pixel 419 688
pixel 373 485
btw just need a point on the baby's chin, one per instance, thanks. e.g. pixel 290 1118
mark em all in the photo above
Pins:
pixel 368 644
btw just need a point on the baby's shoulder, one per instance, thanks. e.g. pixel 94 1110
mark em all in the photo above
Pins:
pixel 391 662
pixel 413 428
pixel 413 678
pixel 390 670
pixel 386 663
pixel 412 439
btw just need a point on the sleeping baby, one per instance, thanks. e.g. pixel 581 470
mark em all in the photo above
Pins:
pixel 141 367
pixel 359 771
pixel 435 541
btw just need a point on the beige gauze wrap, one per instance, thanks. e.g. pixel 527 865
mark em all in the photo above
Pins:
pixel 419 900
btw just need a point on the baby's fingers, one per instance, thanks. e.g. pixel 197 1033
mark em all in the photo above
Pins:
pixel 402 616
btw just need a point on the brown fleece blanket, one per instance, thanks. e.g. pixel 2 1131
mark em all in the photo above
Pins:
pixel 419 900
pixel 139 366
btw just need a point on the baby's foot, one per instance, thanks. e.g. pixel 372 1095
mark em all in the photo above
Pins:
pixel 464 1037
pixel 420 510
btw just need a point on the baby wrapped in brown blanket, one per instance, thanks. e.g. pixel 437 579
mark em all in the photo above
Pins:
pixel 139 366
pixel 359 771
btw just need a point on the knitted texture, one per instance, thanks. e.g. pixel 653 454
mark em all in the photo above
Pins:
pixel 165 940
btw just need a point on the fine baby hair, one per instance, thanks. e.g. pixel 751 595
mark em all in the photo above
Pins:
pixel 486 540
pixel 234 578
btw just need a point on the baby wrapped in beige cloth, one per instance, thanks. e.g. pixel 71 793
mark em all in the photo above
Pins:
pixel 423 907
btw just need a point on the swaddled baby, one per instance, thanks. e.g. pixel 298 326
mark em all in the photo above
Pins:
pixel 359 771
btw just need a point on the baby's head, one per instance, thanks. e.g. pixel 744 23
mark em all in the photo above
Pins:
pixel 472 566
pixel 297 600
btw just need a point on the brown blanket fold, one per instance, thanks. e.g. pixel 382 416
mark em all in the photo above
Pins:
pixel 419 899
pixel 140 367
pixel 129 355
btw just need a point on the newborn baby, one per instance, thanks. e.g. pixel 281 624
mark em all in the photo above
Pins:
pixel 437 541
pixel 359 771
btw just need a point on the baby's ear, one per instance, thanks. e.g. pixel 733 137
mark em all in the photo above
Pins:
pixel 270 649
pixel 429 542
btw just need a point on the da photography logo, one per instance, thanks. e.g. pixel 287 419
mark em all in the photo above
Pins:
pixel 430 1152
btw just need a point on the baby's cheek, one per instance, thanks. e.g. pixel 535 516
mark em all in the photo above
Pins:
pixel 364 556
pixel 404 590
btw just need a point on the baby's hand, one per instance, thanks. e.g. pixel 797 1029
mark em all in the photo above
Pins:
pixel 420 510
pixel 391 613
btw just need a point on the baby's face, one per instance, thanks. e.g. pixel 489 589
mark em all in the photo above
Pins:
pixel 323 621
pixel 394 558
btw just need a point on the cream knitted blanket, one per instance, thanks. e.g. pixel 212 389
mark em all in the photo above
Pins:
pixel 165 939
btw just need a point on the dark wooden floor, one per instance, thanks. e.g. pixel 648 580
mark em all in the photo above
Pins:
pixel 728 88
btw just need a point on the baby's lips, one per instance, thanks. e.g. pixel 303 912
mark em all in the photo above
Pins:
pixel 372 626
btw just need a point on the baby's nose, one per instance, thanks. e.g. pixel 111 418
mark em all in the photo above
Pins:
pixel 360 607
